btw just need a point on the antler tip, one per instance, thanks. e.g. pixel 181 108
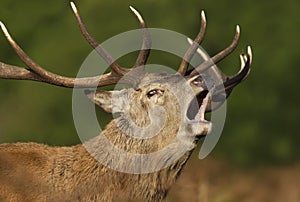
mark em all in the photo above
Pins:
pixel 238 29
pixel 5 31
pixel 2 25
pixel 137 14
pixel 242 58
pixel 73 6
pixel 249 52
pixel 203 17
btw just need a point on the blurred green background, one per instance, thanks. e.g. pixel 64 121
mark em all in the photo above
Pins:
pixel 262 125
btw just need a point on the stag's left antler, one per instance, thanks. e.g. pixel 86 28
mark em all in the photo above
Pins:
pixel 223 90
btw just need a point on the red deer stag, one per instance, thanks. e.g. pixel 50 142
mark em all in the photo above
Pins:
pixel 37 172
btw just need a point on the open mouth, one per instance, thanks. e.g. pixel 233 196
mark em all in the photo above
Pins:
pixel 197 107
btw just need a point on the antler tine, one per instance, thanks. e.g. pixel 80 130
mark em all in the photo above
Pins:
pixel 146 45
pixel 191 51
pixel 24 57
pixel 37 73
pixel 100 50
pixel 245 69
pixel 220 56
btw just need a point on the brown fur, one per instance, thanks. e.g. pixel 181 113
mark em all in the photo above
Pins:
pixel 35 172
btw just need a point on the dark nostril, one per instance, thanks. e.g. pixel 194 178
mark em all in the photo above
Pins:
pixel 204 81
pixel 198 81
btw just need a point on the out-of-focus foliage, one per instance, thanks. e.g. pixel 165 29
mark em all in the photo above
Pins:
pixel 263 114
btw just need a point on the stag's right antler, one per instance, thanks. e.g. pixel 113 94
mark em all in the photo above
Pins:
pixel 35 72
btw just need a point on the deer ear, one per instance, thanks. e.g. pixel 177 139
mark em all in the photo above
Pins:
pixel 101 98
pixel 110 101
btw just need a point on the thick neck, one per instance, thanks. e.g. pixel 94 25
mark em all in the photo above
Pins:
pixel 149 177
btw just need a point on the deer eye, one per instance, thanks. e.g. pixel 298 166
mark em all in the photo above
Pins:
pixel 151 93
pixel 155 92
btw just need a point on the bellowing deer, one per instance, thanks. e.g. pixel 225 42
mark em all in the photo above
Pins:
pixel 37 172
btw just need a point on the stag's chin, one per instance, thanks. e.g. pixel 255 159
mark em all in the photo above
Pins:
pixel 196 114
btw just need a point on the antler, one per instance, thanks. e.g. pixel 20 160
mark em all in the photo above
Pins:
pixel 227 82
pixel 146 46
pixel 35 72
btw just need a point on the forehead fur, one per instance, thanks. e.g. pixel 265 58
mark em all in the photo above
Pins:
pixel 160 79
